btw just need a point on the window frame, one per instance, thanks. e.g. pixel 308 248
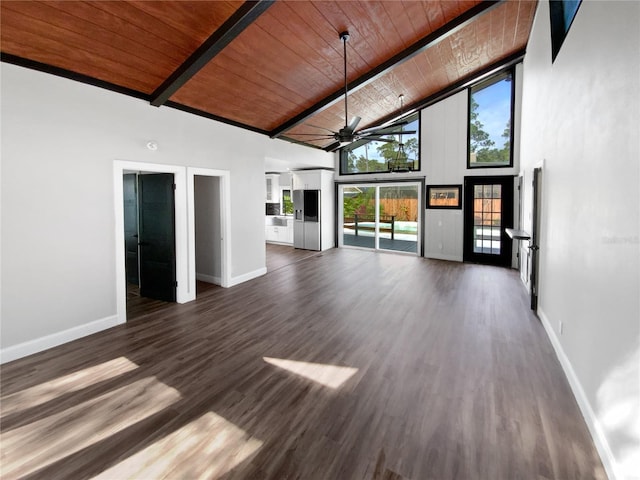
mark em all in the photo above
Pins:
pixel 339 220
pixel 344 151
pixel 559 29
pixel 282 202
pixel 487 82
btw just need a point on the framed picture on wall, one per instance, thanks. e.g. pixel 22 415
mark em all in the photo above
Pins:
pixel 444 196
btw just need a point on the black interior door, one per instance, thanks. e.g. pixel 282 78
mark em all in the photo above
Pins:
pixel 130 191
pixel 488 211
pixel 534 244
pixel 157 236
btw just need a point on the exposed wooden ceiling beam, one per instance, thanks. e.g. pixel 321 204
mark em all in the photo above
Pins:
pixel 418 47
pixel 235 24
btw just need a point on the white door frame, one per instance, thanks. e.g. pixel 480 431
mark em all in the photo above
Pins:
pixel 225 222
pixel 184 228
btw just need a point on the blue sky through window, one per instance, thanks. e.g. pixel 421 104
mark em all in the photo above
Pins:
pixel 494 109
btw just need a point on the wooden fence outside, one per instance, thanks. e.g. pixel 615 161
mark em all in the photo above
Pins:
pixel 403 209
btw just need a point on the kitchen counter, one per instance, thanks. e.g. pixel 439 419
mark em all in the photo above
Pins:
pixel 279 229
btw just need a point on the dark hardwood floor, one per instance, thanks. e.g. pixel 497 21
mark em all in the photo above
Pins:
pixel 279 256
pixel 347 364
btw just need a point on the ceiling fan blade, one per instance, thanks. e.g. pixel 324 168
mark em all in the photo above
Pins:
pixel 380 139
pixel 375 129
pixel 324 139
pixel 332 147
pixel 312 134
pixel 395 132
pixel 354 123
pixel 318 126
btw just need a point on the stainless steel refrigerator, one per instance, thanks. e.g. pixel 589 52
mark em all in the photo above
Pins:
pixel 306 213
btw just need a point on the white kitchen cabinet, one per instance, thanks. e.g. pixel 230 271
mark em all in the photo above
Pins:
pixel 272 188
pixel 282 234
pixel 271 233
pixel 311 180
pixel 279 233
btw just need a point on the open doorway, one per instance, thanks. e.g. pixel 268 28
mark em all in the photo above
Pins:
pixel 208 231
pixel 209 224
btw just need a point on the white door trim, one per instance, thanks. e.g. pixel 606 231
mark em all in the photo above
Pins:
pixel 181 230
pixel 225 220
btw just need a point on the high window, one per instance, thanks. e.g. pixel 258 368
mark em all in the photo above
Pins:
pixel 490 122
pixel 377 156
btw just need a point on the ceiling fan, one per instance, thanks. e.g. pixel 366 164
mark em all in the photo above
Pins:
pixel 348 133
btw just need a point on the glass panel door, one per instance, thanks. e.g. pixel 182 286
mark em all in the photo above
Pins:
pixel 488 211
pixel 359 216
pixel 385 216
pixel 398 227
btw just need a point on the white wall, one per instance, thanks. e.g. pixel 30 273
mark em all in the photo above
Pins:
pixel 207 228
pixel 443 130
pixel 580 120
pixel 59 142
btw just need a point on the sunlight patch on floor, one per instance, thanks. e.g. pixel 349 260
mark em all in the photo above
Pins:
pixel 208 447
pixel 28 448
pixel 47 391
pixel 332 376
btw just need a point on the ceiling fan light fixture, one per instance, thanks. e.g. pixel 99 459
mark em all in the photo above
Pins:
pixel 348 134
pixel 401 163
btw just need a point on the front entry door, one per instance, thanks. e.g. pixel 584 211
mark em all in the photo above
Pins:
pixel 488 211
pixel 157 236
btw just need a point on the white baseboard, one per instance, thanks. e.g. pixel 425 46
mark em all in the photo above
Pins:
pixel 49 341
pixel 593 424
pixel 441 256
pixel 208 278
pixel 247 276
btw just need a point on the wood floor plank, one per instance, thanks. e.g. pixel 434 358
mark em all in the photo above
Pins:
pixel 342 364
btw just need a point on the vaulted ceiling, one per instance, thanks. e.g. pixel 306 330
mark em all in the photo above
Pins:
pixel 271 67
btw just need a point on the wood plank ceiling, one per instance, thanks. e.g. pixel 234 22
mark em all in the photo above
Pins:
pixel 279 69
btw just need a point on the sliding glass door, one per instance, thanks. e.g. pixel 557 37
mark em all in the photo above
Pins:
pixel 380 216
